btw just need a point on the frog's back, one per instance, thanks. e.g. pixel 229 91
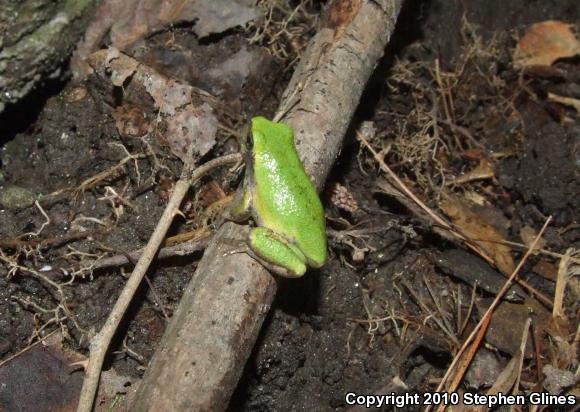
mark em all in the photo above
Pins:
pixel 284 197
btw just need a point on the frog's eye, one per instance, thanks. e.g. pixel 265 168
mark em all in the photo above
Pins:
pixel 250 141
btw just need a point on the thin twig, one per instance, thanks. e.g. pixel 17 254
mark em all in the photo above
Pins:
pixel 102 340
pixel 562 281
pixel 44 243
pixel 487 316
pixel 468 314
pixel 95 179
pixel 26 349
pixel 456 233
pixel 430 314
pixel 524 247
pixel 439 307
pixel 46 222
pixel 436 218
pixel 180 249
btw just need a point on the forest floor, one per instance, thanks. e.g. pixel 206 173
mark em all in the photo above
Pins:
pixel 481 134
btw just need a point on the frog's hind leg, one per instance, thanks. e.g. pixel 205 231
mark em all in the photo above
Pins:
pixel 280 256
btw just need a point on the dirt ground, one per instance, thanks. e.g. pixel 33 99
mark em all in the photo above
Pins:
pixel 475 138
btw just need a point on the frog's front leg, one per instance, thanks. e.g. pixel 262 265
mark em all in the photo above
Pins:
pixel 239 209
pixel 277 252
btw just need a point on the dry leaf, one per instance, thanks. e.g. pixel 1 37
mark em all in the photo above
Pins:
pixel 191 132
pixel 135 19
pixel 209 193
pixel 190 128
pixel 567 269
pixel 484 170
pixel 509 376
pixel 546 269
pixel 131 121
pixel 474 227
pixel 474 154
pixel 48 374
pixel 233 72
pixel 476 198
pixel 124 68
pixel 128 21
pixel 484 369
pixel 544 43
pixel 508 323
pixel 168 94
pixel 217 16
pixel 528 235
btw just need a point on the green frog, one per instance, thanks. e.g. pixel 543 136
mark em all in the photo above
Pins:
pixel 290 232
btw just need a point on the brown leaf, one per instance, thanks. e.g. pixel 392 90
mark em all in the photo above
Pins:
pixel 138 18
pixel 484 170
pixel 508 323
pixel 209 193
pixel 486 236
pixel 47 374
pixel 474 154
pixel 190 127
pixel 124 68
pixel 131 121
pixel 217 16
pixel 168 94
pixel 191 132
pixel 544 43
pixel 545 269
pixel 128 21
pixel 528 235
pixel 509 376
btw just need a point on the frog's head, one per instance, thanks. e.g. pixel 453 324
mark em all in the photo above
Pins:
pixel 268 136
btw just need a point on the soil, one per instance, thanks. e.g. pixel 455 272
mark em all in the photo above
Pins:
pixel 358 322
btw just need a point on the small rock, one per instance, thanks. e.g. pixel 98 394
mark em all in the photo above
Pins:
pixel 484 370
pixel 557 379
pixel 5 345
pixel 15 197
pixel 508 322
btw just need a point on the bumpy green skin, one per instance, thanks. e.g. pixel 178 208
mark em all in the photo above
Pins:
pixel 279 195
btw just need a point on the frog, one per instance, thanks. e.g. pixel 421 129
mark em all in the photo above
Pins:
pixel 289 232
